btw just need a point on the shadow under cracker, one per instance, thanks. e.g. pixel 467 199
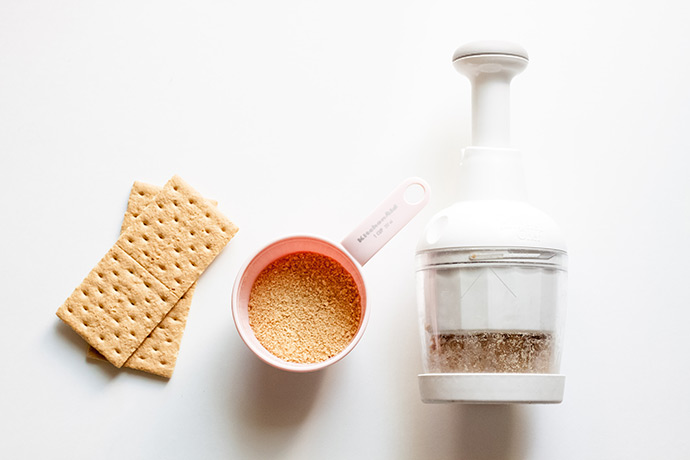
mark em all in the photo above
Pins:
pixel 106 369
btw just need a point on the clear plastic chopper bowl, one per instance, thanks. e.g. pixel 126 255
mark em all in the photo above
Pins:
pixel 491 310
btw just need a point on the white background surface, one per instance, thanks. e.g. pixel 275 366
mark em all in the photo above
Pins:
pixel 299 117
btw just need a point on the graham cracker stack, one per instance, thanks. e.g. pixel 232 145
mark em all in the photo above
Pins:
pixel 163 249
pixel 157 354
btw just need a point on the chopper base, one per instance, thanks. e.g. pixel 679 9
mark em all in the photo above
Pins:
pixel 480 388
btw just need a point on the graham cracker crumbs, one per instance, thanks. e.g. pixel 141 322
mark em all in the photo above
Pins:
pixel 304 308
pixel 491 351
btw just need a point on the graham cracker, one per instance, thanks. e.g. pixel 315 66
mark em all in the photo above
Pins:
pixel 157 354
pixel 164 250
pixel 177 236
pixel 140 196
pixel 116 306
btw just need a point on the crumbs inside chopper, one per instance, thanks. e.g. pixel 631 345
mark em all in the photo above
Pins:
pixel 491 269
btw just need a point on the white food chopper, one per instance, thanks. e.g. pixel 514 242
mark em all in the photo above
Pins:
pixel 491 269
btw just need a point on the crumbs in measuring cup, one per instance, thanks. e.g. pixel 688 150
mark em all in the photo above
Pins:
pixel 304 308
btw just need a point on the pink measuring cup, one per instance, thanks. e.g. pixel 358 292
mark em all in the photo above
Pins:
pixel 352 253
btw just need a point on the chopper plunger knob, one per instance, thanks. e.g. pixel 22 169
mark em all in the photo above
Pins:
pixel 490 66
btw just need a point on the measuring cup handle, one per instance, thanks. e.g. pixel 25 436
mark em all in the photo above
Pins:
pixel 385 221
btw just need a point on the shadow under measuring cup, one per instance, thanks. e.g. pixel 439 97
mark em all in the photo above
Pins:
pixel 350 254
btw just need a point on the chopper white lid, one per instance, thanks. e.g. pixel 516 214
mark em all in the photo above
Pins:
pixel 491 223
pixel 491 211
